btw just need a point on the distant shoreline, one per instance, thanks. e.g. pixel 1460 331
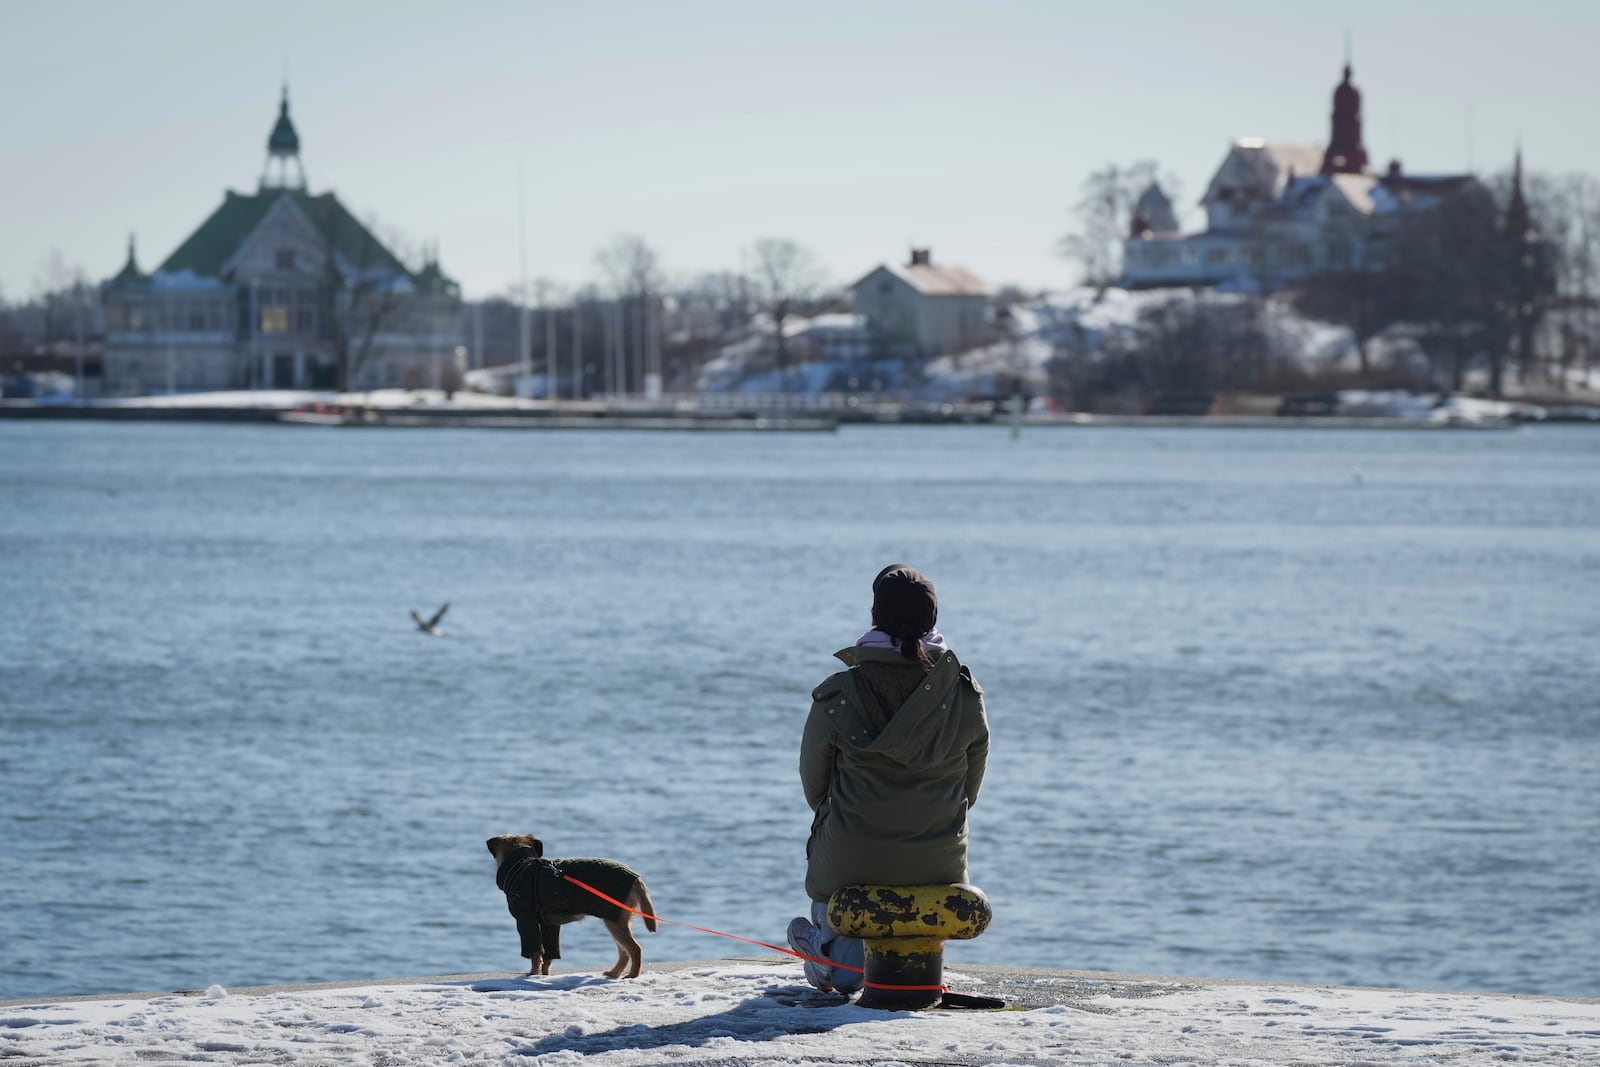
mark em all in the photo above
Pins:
pixel 419 417
pixel 722 416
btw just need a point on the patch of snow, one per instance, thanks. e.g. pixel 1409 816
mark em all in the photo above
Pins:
pixel 239 398
pixel 186 281
pixel 1391 403
pixel 1470 409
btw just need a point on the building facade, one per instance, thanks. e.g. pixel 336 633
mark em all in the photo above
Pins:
pixel 280 289
pixel 1278 213
pixel 920 310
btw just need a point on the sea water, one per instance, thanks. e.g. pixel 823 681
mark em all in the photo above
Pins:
pixel 1317 706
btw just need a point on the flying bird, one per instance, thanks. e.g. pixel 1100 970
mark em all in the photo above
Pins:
pixel 431 626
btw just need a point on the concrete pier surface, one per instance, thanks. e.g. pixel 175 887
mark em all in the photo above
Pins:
pixel 758 1010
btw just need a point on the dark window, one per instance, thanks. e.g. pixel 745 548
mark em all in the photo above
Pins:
pixel 286 259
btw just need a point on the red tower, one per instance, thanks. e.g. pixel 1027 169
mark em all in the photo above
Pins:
pixel 1345 154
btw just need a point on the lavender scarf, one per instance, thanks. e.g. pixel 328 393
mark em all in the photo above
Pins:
pixel 933 641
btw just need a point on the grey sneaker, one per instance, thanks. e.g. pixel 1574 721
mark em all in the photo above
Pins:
pixel 806 939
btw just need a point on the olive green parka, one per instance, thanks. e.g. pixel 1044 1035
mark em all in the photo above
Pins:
pixel 890 786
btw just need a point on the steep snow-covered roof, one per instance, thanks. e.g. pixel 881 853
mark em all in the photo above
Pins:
pixel 1407 192
pixel 1154 212
pixel 1357 189
pixel 1273 163
pixel 930 280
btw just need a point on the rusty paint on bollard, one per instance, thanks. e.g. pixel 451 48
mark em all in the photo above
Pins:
pixel 949 912
pixel 905 928
pixel 903 973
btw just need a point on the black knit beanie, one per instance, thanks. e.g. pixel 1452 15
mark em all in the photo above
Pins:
pixel 904 605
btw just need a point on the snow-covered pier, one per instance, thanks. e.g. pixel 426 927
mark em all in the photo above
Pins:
pixel 760 1011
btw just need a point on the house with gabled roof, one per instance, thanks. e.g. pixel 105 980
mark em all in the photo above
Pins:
pixel 281 289
pixel 1277 213
pixel 921 310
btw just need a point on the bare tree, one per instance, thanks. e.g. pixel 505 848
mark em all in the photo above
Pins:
pixel 1357 294
pixel 1576 202
pixel 10 336
pixel 1451 270
pixel 496 329
pixel 708 311
pixel 1533 238
pixel 783 275
pixel 1105 212
pixel 548 300
pixel 1181 352
pixel 360 294
pixel 1187 350
pixel 629 264
pixel 587 338
pixel 727 296
pixel 60 292
pixel 633 273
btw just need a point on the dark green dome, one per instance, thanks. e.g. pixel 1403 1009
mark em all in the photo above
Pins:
pixel 284 140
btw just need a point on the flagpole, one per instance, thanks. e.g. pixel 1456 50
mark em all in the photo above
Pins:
pixel 525 351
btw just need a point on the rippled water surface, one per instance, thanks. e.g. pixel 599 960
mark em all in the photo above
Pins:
pixel 1297 705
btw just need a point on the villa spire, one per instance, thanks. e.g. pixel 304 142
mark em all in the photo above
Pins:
pixel 1346 154
pixel 283 152
pixel 130 274
pixel 1518 221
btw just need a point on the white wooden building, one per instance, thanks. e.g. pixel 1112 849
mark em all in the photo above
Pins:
pixel 283 289
pixel 1277 213
pixel 920 310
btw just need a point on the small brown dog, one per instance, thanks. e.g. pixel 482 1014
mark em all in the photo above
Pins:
pixel 542 898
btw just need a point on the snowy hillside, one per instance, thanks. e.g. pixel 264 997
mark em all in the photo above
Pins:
pixel 1081 329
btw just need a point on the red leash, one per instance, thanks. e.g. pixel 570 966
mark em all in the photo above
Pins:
pixel 747 940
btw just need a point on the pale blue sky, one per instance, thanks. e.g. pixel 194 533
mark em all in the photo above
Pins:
pixel 856 129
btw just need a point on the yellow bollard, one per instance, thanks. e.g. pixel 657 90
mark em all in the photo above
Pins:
pixel 905 928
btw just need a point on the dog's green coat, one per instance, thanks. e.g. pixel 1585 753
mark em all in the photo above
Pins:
pixel 541 900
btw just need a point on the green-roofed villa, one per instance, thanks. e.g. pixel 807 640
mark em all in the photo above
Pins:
pixel 280 289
